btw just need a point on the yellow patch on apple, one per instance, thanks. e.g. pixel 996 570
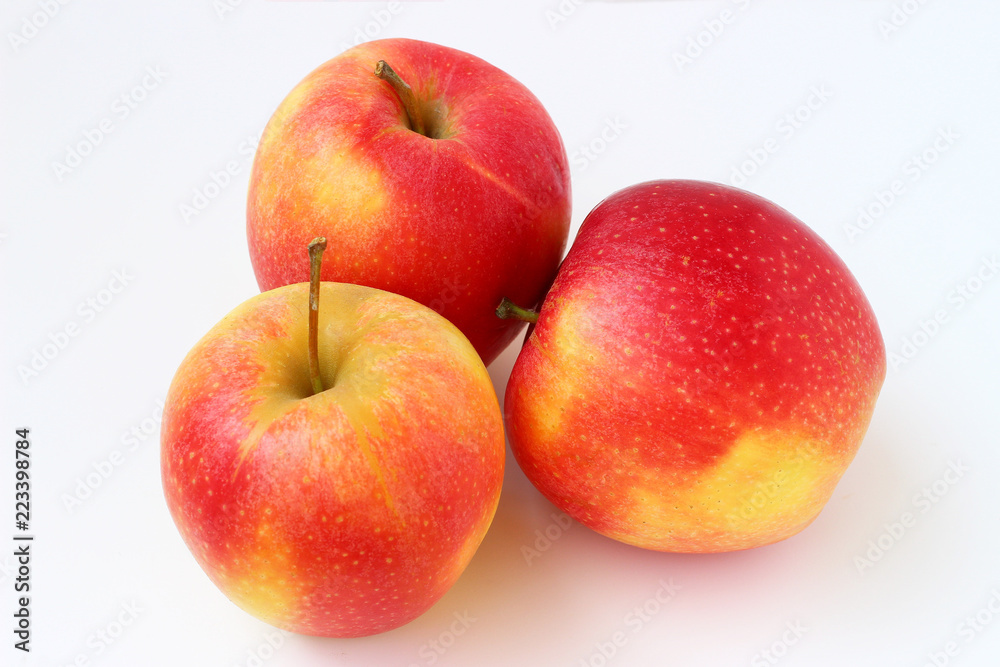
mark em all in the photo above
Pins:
pixel 766 488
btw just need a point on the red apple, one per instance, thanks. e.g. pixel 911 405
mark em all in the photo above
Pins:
pixel 701 374
pixel 441 178
pixel 345 511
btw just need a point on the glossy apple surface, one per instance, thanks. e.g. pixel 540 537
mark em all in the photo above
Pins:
pixel 474 209
pixel 702 372
pixel 342 513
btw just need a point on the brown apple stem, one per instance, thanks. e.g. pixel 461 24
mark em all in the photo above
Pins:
pixel 316 248
pixel 405 94
pixel 509 310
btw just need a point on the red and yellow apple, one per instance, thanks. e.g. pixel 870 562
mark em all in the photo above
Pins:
pixel 345 512
pixel 440 178
pixel 701 373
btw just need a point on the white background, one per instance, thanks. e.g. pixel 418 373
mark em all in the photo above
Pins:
pixel 889 97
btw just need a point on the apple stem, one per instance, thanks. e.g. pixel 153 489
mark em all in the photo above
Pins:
pixel 405 94
pixel 316 248
pixel 510 310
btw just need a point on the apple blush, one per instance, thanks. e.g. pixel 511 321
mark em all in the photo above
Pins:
pixel 441 178
pixel 701 373
pixel 332 470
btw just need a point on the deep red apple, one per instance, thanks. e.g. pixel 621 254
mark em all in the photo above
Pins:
pixel 440 178
pixel 701 374
pixel 332 477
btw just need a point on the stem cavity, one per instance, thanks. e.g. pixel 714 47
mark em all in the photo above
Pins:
pixel 316 248
pixel 405 94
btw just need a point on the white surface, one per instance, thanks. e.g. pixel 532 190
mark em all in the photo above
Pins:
pixel 890 96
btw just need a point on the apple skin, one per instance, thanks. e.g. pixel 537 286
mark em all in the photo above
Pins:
pixel 345 513
pixel 701 374
pixel 455 222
